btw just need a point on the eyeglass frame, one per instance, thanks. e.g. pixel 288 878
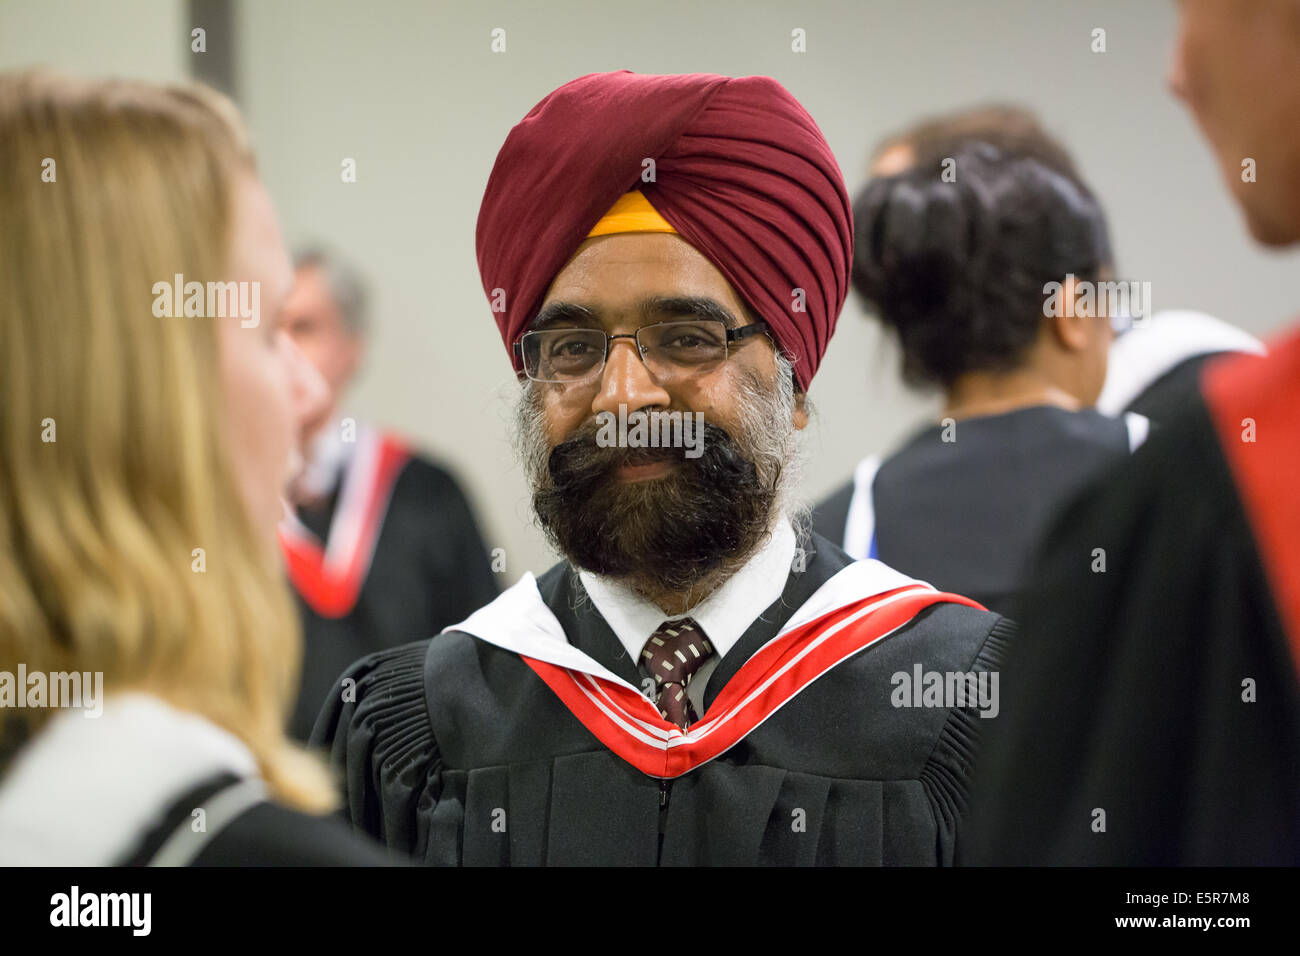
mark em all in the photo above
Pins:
pixel 738 334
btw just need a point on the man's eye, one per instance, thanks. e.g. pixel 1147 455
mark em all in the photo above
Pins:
pixel 570 349
pixel 690 342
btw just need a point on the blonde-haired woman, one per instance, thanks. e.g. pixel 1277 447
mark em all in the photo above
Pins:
pixel 142 455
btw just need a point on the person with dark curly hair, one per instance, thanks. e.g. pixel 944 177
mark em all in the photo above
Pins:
pixel 983 265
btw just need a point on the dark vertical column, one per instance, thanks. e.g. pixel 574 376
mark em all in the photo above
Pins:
pixel 216 67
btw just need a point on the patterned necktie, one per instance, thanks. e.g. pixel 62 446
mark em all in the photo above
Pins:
pixel 672 656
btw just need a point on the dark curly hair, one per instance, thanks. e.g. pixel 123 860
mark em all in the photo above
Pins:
pixel 957 269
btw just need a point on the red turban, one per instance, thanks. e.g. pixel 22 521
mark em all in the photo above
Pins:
pixel 741 171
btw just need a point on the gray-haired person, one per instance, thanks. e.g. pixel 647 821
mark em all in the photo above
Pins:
pixel 381 545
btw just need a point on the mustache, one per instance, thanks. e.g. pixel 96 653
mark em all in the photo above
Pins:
pixel 581 456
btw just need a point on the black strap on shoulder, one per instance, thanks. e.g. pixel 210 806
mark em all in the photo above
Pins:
pixel 187 841
pixel 183 831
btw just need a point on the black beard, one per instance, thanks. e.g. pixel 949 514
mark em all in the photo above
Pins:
pixel 706 513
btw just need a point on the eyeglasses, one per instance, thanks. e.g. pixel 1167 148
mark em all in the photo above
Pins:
pixel 671 351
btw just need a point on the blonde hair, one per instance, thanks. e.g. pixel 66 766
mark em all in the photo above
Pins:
pixel 98 527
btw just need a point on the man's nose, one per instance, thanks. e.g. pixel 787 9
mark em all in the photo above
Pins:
pixel 311 394
pixel 626 381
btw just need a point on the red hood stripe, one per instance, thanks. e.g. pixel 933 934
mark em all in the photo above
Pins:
pixel 783 668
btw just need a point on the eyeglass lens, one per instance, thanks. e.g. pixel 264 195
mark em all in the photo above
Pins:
pixel 669 350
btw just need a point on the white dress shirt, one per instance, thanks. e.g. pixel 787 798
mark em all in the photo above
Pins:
pixel 327 455
pixel 723 616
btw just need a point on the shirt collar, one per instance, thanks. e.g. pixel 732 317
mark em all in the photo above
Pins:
pixel 724 615
pixel 327 454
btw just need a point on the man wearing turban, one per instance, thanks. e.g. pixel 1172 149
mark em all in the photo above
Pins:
pixel 701 680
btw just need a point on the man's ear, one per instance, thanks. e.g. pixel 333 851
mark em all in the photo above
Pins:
pixel 1070 326
pixel 800 417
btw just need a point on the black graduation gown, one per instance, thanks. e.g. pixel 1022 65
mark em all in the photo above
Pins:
pixel 266 834
pixel 1174 391
pixel 964 515
pixel 454 751
pixel 1162 691
pixel 430 569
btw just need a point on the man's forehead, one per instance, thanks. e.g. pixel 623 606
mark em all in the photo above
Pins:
pixel 627 276
pixel 311 291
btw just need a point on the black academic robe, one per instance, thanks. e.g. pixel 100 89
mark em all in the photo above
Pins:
pixel 1151 705
pixel 264 834
pixel 455 750
pixel 430 569
pixel 964 514
pixel 1174 391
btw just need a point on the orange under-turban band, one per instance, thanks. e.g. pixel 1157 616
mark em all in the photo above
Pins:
pixel 631 213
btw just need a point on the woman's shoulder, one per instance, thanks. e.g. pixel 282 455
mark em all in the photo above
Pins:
pixel 227 820
pixel 269 834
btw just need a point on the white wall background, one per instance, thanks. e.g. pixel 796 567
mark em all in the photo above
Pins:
pixel 141 38
pixel 412 91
